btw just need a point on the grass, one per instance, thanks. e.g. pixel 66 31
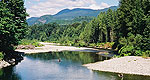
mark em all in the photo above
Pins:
pixel 106 53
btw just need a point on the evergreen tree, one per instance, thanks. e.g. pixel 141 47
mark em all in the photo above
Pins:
pixel 91 32
pixel 102 27
pixel 110 22
pixel 18 10
pixel 12 25
pixel 132 22
pixel 7 27
pixel 128 27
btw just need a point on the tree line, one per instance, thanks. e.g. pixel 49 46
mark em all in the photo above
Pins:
pixel 128 27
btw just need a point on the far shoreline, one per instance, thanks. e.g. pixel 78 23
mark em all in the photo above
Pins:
pixel 53 47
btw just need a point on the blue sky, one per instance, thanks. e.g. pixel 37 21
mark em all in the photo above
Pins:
pixel 37 8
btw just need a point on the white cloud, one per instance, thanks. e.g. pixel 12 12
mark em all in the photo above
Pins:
pixel 37 0
pixel 104 5
pixel 53 6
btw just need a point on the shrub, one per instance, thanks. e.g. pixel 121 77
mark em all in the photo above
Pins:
pixel 105 45
pixel 1 56
pixel 132 45
pixel 92 45
pixel 146 53
pixel 30 42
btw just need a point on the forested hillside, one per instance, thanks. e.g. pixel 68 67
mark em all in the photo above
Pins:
pixel 68 16
pixel 128 28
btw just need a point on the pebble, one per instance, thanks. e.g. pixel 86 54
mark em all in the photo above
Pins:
pixel 127 65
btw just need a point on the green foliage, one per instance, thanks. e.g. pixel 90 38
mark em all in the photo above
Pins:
pixel 30 42
pixel 126 50
pixel 12 24
pixel 41 32
pixel 1 56
pixel 91 32
pixel 131 45
pixel 133 29
pixel 92 44
pixel 6 27
pixel 101 29
pixel 146 53
pixel 126 29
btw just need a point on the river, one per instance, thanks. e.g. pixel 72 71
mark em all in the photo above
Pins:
pixel 60 66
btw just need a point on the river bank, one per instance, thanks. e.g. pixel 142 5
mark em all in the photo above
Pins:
pixel 12 59
pixel 4 64
pixel 126 65
pixel 52 47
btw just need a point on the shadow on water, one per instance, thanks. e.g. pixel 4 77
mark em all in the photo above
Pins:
pixel 47 66
pixel 9 74
pixel 114 76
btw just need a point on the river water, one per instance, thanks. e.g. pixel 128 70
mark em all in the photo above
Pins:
pixel 60 66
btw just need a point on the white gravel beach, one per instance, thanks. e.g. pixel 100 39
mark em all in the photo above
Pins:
pixel 52 47
pixel 4 64
pixel 127 65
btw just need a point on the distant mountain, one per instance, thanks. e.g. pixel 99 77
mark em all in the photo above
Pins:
pixel 32 20
pixel 67 16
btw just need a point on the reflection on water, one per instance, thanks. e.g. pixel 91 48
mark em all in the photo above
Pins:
pixel 9 74
pixel 114 76
pixel 46 66
pixel 80 57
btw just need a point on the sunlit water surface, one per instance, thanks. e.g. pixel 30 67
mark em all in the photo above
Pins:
pixel 46 66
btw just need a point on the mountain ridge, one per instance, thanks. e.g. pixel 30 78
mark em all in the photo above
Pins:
pixel 66 15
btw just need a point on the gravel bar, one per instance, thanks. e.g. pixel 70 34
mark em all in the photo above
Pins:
pixel 126 65
pixel 52 47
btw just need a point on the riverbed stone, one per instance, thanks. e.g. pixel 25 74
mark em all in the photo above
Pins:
pixel 128 65
pixel 4 64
